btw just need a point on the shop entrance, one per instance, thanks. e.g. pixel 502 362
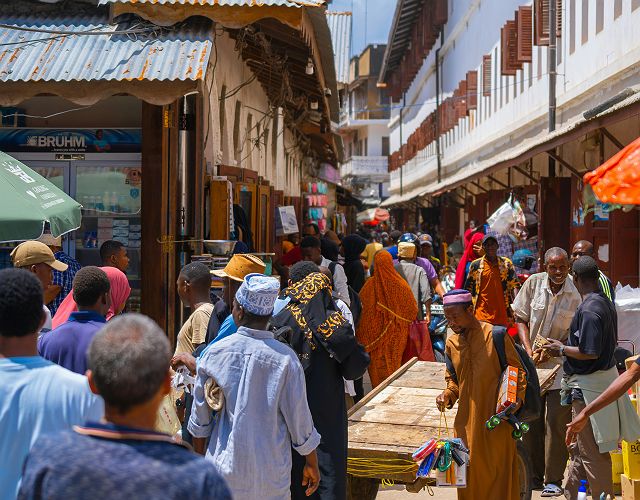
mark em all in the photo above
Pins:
pixel 109 188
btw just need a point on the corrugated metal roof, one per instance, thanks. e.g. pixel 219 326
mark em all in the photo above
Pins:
pixel 164 54
pixel 230 3
pixel 340 26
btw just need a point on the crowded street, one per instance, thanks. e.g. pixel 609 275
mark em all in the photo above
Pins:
pixel 319 249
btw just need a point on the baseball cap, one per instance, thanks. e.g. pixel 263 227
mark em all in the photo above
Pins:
pixel 425 239
pixel 239 266
pixel 35 252
pixel 489 237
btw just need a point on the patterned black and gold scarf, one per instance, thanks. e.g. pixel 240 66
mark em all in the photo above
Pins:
pixel 315 320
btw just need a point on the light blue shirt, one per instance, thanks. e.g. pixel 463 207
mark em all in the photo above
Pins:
pixel 228 327
pixel 37 397
pixel 265 413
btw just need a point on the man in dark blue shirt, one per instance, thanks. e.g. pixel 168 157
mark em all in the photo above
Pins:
pixel 123 457
pixel 589 368
pixel 68 344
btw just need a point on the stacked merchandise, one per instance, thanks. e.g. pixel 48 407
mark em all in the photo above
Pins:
pixel 316 202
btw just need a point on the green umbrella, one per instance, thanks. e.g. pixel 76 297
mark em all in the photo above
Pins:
pixel 28 201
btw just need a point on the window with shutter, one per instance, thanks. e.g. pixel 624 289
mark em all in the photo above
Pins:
pixel 486 75
pixel 472 90
pixel 525 34
pixel 440 12
pixel 461 102
pixel 509 42
pixel 541 21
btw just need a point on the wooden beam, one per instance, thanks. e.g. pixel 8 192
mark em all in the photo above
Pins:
pixel 477 184
pixel 525 174
pixel 565 164
pixel 612 138
pixel 499 183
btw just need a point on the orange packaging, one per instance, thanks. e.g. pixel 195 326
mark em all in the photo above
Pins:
pixel 508 392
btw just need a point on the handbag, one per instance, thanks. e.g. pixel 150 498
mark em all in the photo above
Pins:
pixel 418 343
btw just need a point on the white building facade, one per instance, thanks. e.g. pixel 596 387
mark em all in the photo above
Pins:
pixel 483 130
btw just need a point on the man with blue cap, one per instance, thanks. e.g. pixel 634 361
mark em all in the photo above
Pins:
pixel 250 400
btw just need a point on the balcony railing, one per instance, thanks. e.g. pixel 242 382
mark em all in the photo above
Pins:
pixel 365 166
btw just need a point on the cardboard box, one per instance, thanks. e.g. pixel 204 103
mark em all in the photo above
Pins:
pixel 630 488
pixel 617 469
pixel 635 388
pixel 508 392
pixel 459 476
pixel 631 459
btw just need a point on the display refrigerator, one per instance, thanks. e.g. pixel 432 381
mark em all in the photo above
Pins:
pixel 109 191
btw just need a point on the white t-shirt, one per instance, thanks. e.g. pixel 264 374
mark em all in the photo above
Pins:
pixel 47 322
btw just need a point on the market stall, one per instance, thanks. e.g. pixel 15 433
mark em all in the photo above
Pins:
pixel 395 419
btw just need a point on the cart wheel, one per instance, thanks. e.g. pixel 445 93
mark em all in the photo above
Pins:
pixel 495 421
pixel 524 427
pixel 362 488
pixel 524 471
pixel 489 425
pixel 516 434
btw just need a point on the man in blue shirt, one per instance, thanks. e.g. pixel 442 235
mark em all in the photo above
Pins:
pixel 36 396
pixel 256 385
pixel 123 456
pixel 68 344
pixel 63 280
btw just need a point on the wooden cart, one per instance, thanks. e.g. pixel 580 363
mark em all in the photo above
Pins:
pixel 395 419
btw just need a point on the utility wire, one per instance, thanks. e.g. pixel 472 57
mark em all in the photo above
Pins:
pixel 93 31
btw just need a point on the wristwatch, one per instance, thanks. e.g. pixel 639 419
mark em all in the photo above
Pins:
pixel 562 350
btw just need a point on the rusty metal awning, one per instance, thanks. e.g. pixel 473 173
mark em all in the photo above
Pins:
pixel 42 53
pixel 340 27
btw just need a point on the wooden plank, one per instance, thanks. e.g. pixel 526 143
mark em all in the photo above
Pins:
pixel 411 436
pixel 425 374
pixel 382 385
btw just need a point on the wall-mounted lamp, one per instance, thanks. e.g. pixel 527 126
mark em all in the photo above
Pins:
pixel 309 69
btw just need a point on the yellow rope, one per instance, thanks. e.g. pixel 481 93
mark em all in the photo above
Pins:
pixel 372 467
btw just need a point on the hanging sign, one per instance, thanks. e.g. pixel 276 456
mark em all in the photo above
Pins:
pixel 37 140
pixel 286 221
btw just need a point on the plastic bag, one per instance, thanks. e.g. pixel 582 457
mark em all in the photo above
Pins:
pixel 502 219
pixel 418 343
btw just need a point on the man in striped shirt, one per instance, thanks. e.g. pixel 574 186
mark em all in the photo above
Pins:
pixel 584 247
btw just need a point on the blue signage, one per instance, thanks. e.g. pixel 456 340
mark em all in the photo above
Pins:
pixel 37 140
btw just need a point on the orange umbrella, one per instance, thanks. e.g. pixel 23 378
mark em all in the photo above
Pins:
pixel 618 179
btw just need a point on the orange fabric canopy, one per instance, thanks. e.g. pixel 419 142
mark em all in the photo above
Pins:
pixel 618 179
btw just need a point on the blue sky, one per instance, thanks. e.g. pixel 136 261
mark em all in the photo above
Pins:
pixel 378 15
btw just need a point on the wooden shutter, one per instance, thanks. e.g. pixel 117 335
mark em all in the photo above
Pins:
pixel 541 21
pixel 461 100
pixel 440 12
pixel 472 90
pixel 509 42
pixel 525 34
pixel 486 76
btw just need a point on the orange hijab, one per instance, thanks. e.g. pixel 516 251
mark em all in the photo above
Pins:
pixel 388 309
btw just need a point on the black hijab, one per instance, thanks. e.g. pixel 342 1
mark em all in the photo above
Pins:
pixel 353 246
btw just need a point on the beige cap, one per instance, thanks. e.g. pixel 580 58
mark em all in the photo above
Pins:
pixel 406 250
pixel 50 240
pixel 240 265
pixel 34 252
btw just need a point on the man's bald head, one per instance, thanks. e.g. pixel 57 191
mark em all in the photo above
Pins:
pixel 580 249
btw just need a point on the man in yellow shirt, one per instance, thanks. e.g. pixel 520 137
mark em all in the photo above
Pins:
pixel 194 283
pixel 372 248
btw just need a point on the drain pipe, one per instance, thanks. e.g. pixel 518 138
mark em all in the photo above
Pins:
pixel 438 152
pixel 552 77
pixel 186 155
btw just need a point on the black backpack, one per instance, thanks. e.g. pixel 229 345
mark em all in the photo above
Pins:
pixel 532 406
pixel 355 305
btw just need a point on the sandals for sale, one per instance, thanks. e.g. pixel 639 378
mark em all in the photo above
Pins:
pixel 551 490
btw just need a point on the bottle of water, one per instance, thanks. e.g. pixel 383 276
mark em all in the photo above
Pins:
pixel 582 491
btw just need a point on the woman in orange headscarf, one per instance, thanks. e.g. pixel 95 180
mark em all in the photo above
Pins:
pixel 388 309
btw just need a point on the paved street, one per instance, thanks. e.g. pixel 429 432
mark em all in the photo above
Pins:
pixel 399 493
